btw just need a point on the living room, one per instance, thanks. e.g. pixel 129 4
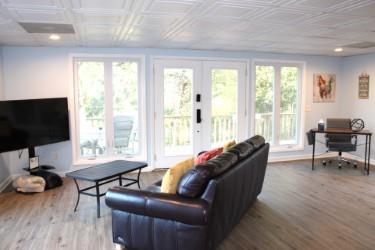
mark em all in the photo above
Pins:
pixel 199 74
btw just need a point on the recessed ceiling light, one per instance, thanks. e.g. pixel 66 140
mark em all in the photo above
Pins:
pixel 54 37
pixel 339 50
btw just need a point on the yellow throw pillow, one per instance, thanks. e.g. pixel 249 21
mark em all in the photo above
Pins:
pixel 228 144
pixel 174 174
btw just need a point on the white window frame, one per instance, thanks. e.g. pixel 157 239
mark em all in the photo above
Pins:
pixel 74 104
pixel 276 147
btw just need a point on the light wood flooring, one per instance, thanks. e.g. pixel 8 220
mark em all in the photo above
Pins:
pixel 297 209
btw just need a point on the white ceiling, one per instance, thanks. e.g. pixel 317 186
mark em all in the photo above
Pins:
pixel 286 26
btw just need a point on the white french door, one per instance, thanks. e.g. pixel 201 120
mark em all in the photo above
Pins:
pixel 199 105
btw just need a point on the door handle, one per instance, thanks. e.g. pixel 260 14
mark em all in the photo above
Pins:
pixel 199 118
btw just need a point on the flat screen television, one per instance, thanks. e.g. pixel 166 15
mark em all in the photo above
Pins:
pixel 31 123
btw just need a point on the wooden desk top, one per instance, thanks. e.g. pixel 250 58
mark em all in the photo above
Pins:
pixel 342 131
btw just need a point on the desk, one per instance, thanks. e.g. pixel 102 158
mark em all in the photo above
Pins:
pixel 366 133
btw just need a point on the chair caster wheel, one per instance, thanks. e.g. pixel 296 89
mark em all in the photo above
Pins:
pixel 339 166
pixel 324 163
pixel 347 163
pixel 355 165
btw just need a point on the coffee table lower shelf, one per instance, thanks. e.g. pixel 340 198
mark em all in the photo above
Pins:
pixel 111 174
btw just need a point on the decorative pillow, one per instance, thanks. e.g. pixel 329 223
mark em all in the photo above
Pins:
pixel 228 144
pixel 208 155
pixel 174 174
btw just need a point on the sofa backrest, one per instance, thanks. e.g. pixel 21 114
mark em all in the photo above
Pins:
pixel 194 182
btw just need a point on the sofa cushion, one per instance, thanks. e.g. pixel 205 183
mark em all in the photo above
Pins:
pixel 242 149
pixel 194 182
pixel 220 163
pixel 257 141
pixel 228 144
pixel 208 155
pixel 174 174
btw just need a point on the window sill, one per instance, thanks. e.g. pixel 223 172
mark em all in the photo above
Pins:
pixel 286 148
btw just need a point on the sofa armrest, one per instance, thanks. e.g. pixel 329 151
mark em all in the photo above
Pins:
pixel 160 205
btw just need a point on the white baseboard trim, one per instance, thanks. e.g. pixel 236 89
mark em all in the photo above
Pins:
pixel 320 156
pixel 275 159
pixel 5 183
pixel 357 158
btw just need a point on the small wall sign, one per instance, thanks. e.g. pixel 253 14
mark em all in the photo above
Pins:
pixel 364 86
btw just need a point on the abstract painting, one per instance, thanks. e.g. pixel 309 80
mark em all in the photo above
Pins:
pixel 324 88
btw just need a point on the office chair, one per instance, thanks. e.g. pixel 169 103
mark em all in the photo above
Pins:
pixel 340 142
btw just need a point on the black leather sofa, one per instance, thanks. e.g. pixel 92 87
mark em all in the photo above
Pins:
pixel 211 199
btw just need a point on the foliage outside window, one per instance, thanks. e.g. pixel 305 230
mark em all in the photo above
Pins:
pixel 107 107
pixel 276 103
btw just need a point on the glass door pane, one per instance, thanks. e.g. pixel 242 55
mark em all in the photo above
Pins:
pixel 288 105
pixel 224 100
pixel 177 119
pixel 125 108
pixel 90 77
pixel 264 101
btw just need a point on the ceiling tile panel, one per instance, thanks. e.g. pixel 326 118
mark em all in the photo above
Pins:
pixel 3 19
pixel 321 4
pixel 100 19
pixel 284 16
pixel 35 3
pixel 366 9
pixel 284 26
pixel 11 28
pixel 163 21
pixel 230 11
pixel 99 4
pixel 99 29
pixel 38 16
pixel 168 7
pixel 327 20
pixel 18 40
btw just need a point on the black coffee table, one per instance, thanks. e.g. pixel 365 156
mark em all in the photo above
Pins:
pixel 103 174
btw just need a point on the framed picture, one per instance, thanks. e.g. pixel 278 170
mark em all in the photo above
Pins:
pixel 33 162
pixel 324 87
pixel 363 86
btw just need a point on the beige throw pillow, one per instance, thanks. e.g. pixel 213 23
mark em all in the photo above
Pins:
pixel 174 174
pixel 228 144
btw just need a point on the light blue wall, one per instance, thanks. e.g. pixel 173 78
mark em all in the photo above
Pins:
pixel 4 172
pixel 352 106
pixel 38 72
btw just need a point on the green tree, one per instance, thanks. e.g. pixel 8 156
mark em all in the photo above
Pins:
pixel 289 89
pixel 224 92
pixel 177 92
pixel 264 89
pixel 91 88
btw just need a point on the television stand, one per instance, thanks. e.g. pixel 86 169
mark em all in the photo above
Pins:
pixel 41 167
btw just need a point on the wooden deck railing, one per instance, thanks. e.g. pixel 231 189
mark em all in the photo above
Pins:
pixel 178 131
